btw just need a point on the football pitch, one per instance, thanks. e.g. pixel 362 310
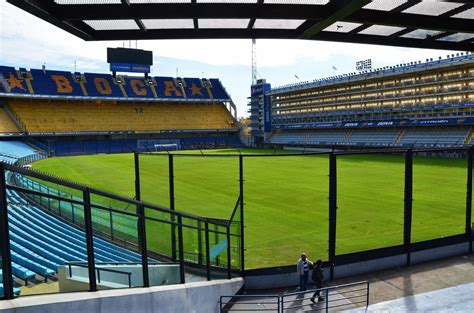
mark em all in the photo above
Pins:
pixel 286 197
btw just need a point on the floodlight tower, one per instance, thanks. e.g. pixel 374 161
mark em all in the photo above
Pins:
pixel 254 61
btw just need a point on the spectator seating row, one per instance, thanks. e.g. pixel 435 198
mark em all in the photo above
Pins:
pixel 74 116
pixel 15 149
pixel 6 124
pixel 61 83
pixel 409 136
pixel 41 242
pixel 438 137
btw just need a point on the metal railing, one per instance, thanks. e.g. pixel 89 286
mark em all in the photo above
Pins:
pixel 145 213
pixel 98 270
pixel 329 298
pixel 250 303
pixel 332 298
pixel 347 296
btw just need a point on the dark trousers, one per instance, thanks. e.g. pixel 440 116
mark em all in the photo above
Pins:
pixel 318 285
pixel 304 281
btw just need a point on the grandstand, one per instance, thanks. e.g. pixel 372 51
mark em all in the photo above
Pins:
pixel 40 242
pixel 410 105
pixel 6 124
pixel 65 113
pixel 76 117
pixel 75 113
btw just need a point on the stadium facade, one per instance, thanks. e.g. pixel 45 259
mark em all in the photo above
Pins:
pixel 416 104
pixel 259 103
pixel 84 113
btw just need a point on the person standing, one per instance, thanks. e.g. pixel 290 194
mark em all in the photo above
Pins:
pixel 302 267
pixel 318 277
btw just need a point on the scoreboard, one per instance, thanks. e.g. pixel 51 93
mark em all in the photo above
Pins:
pixel 129 60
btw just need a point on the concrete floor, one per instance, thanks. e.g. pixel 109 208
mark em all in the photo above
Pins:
pixel 452 299
pixel 407 281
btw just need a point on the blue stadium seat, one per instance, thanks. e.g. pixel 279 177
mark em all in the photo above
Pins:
pixel 16 149
pixel 19 86
pixel 16 291
pixel 92 90
pixel 17 248
pixel 32 265
pixel 43 83
pixel 63 239
pixel 195 90
pixel 22 272
pixel 218 90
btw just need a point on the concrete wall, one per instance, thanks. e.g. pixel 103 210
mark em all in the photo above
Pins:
pixel 192 297
pixel 159 274
pixel 281 280
pixel 439 253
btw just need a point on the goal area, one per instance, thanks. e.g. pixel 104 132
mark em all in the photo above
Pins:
pixel 166 147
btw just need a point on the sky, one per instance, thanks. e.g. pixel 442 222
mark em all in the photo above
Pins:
pixel 27 41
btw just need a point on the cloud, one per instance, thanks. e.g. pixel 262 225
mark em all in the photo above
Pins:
pixel 25 38
pixel 28 41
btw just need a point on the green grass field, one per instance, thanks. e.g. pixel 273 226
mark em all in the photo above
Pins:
pixel 286 198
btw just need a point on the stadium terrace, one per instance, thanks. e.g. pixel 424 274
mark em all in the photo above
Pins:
pixel 152 191
pixel 417 104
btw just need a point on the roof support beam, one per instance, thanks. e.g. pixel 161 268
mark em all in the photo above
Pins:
pixel 416 21
pixel 279 33
pixel 398 9
pixel 341 9
pixel 317 17
pixel 252 20
pixel 324 15
pixel 457 10
pixel 195 20
pixel 189 10
pixel 36 8
pixel 141 25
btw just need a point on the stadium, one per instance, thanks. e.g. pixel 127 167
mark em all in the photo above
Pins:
pixel 127 191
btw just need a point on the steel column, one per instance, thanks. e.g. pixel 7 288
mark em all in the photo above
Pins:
pixel 172 208
pixel 229 257
pixel 5 234
pixel 408 206
pixel 332 211
pixel 242 226
pixel 181 250
pixel 469 199
pixel 143 244
pixel 89 240
pixel 140 223
pixel 199 242
pixel 137 177
pixel 208 257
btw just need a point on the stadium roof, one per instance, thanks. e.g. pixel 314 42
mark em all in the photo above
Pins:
pixel 414 23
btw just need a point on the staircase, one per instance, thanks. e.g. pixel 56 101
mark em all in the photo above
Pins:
pixel 346 138
pixel 399 136
pixel 14 117
pixel 469 136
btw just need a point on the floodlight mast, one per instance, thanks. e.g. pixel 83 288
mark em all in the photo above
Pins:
pixel 254 61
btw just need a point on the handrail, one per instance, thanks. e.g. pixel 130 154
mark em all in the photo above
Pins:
pixel 15 118
pixel 265 303
pixel 60 181
pixel 98 269
pixel 234 211
pixel 331 300
pixel 289 302
pixel 232 155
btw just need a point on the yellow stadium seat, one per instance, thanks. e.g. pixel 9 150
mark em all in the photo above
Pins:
pixel 6 124
pixel 77 116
